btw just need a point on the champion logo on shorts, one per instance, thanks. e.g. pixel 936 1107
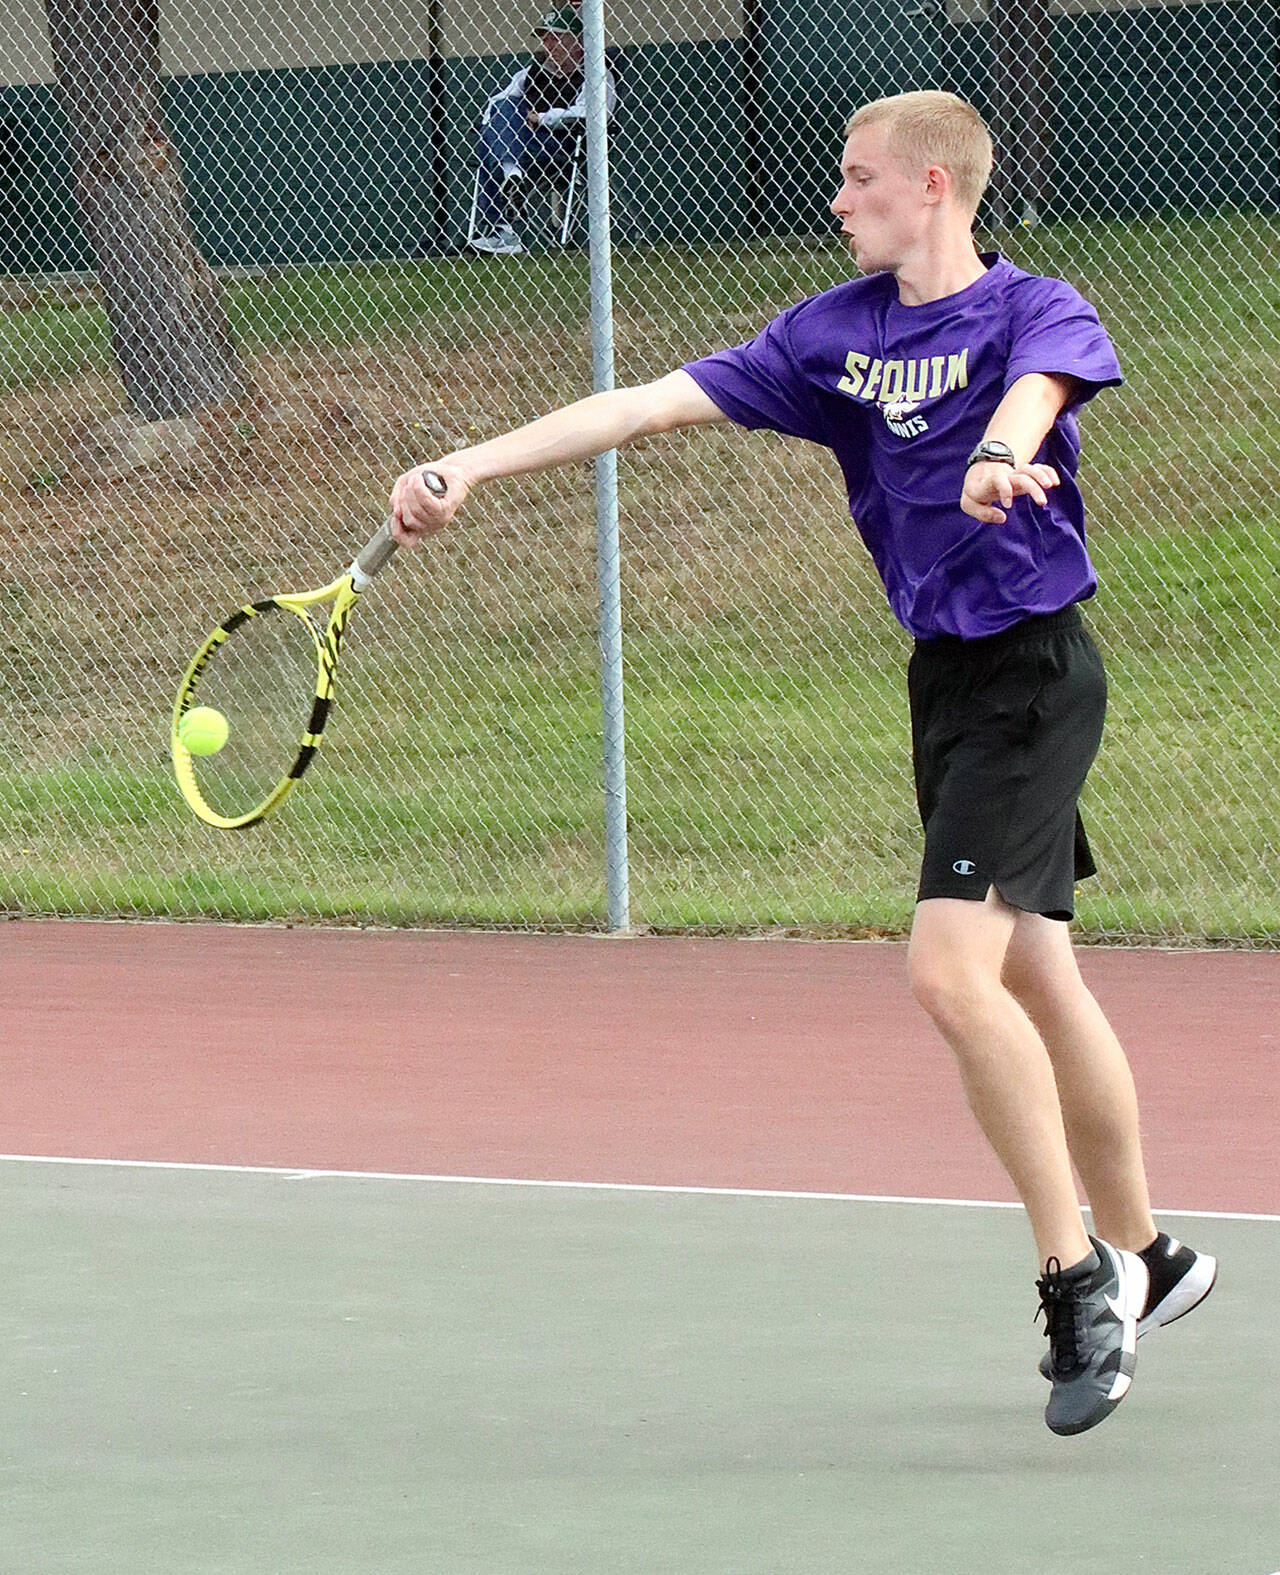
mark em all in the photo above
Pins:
pixel 965 867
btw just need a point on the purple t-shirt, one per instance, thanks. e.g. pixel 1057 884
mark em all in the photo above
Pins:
pixel 901 394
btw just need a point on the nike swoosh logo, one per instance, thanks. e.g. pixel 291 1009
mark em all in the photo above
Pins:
pixel 1116 1305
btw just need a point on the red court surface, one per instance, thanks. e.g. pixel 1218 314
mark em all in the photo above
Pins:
pixel 723 1063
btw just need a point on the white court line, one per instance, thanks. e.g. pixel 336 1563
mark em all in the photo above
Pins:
pixel 295 1174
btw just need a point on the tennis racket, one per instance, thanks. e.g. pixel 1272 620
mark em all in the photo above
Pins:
pixel 270 668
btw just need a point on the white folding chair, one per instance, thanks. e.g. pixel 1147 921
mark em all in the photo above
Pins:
pixel 570 197
pixel 577 170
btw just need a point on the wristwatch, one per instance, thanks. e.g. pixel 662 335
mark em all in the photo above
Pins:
pixel 992 453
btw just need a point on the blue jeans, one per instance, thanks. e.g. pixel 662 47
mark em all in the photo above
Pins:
pixel 507 139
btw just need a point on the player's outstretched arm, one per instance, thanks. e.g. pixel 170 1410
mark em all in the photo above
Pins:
pixel 579 431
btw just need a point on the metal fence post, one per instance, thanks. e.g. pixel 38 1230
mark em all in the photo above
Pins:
pixel 607 548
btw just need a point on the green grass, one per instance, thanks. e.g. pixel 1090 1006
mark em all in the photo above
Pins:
pixel 768 776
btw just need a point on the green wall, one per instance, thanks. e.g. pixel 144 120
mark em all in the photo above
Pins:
pixel 1168 107
pixel 1164 108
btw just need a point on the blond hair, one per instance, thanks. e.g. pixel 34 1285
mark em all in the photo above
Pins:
pixel 934 128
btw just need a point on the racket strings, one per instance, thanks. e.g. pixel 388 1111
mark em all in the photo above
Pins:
pixel 262 678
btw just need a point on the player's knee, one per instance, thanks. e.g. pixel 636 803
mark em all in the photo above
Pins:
pixel 951 989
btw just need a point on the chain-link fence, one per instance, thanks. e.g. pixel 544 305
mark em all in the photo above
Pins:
pixel 176 439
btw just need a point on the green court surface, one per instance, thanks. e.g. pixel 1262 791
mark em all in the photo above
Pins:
pixel 232 1372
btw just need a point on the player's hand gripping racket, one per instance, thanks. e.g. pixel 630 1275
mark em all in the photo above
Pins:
pixel 269 668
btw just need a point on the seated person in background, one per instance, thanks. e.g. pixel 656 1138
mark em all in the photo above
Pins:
pixel 529 128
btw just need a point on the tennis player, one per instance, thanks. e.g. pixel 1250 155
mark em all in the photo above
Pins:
pixel 947 384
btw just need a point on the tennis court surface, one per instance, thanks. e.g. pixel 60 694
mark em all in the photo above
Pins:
pixel 341 1251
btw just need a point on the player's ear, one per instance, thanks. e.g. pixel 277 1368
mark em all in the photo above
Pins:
pixel 937 184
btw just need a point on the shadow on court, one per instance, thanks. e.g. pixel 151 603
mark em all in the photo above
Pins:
pixel 247 1372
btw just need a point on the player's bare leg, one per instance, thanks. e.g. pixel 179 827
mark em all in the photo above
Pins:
pixel 1092 1294
pixel 1095 1086
pixel 1100 1112
pixel 957 958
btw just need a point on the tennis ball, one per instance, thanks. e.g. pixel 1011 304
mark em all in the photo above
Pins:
pixel 203 731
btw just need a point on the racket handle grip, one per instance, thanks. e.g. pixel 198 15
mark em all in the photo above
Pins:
pixel 379 550
pixel 375 555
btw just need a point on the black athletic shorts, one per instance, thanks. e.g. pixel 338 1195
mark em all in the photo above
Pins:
pixel 1003 731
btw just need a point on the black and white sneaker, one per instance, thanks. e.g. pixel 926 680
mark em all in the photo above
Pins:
pixel 1180 1280
pixel 1091 1317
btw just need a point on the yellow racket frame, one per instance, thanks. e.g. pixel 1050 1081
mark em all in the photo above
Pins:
pixel 377 552
pixel 343 593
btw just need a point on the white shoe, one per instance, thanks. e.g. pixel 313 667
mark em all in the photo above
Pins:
pixel 504 242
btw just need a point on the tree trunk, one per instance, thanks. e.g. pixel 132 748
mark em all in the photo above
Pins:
pixel 172 340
